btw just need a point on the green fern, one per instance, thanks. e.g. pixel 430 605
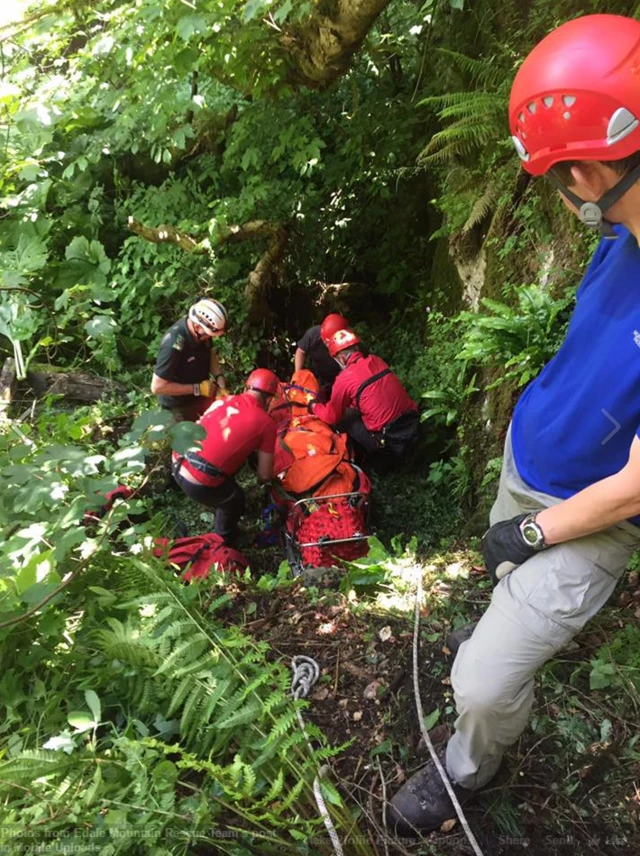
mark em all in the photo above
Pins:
pixel 477 115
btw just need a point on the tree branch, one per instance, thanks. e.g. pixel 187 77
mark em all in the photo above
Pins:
pixel 169 235
pixel 259 277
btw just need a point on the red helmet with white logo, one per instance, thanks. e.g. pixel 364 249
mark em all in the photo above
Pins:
pixel 331 324
pixel 342 340
pixel 577 94
pixel 263 380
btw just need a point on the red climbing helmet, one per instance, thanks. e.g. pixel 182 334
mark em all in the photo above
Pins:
pixel 577 94
pixel 342 340
pixel 263 380
pixel 331 324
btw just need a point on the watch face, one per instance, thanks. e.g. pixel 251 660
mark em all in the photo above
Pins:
pixel 531 534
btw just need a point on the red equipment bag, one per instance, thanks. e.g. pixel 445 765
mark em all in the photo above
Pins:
pixel 197 556
pixel 121 492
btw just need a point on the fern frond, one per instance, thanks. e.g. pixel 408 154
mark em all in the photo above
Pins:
pixel 283 724
pixel 188 650
pixel 34 764
pixel 180 694
pixel 247 713
pixel 200 667
pixel 190 710
pixel 484 70
pixel 481 207
pixel 222 687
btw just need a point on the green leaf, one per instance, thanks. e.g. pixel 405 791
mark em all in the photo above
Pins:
pixel 63 741
pixel 93 703
pixel 602 675
pixel 382 748
pixel 81 721
pixel 281 15
pixel 100 325
pixel 190 24
pixel 330 792
pixel 606 730
pixel 430 721
pixel 253 8
pixel 185 436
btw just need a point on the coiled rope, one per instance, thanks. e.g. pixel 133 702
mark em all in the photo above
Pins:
pixel 425 734
pixel 305 674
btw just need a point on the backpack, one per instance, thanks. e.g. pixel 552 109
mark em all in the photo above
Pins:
pixel 198 555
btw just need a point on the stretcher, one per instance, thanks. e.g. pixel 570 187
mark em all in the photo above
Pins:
pixel 321 495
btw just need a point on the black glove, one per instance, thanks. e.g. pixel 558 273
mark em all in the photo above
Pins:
pixel 504 546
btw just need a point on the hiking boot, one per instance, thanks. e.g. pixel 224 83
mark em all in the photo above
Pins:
pixel 455 639
pixel 422 804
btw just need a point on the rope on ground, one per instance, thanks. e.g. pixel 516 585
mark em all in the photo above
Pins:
pixel 425 734
pixel 305 674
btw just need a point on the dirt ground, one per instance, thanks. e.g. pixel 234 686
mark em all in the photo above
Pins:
pixel 364 698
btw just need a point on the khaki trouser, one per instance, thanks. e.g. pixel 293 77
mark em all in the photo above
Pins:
pixel 534 612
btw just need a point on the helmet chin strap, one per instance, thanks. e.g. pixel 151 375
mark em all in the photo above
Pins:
pixel 592 213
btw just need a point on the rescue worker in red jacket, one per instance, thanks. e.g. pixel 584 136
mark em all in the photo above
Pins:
pixel 368 401
pixel 236 426
pixel 313 345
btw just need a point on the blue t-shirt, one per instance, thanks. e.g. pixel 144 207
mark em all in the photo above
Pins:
pixel 564 433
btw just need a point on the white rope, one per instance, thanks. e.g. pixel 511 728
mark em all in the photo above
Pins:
pixel 305 674
pixel 425 735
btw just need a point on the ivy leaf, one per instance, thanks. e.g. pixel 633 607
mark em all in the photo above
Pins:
pixel 93 703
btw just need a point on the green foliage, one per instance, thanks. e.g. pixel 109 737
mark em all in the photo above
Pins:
pixel 132 705
pixel 617 663
pixel 520 339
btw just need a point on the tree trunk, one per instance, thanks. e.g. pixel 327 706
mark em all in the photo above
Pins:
pixel 322 48
pixel 7 387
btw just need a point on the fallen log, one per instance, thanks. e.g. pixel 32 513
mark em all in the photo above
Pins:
pixel 76 386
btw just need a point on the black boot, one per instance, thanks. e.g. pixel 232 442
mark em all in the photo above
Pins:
pixel 422 804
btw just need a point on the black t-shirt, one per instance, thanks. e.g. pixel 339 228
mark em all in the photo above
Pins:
pixel 324 367
pixel 182 359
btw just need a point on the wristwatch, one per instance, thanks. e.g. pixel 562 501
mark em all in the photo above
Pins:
pixel 532 533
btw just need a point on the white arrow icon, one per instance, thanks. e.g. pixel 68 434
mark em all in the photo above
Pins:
pixel 614 422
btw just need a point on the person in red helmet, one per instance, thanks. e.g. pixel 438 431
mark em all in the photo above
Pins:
pixel 236 426
pixel 368 401
pixel 567 515
pixel 314 345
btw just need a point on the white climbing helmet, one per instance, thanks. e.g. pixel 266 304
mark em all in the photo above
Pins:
pixel 209 314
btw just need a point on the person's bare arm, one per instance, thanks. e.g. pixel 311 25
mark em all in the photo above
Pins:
pixel 299 359
pixel 598 506
pixel 216 372
pixel 265 466
pixel 161 386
